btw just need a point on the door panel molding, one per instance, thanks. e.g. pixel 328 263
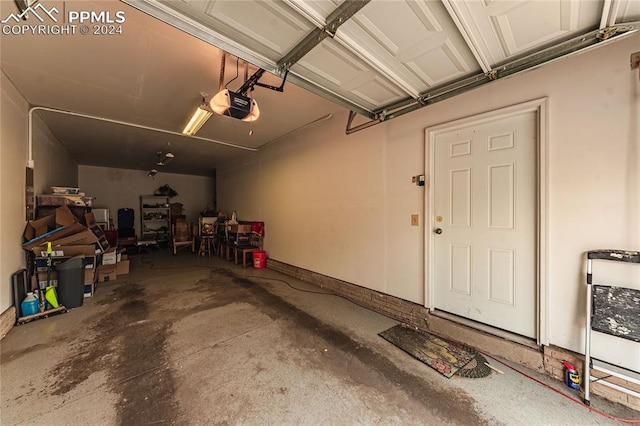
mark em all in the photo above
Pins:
pixel 540 108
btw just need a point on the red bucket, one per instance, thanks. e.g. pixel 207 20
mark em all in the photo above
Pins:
pixel 259 259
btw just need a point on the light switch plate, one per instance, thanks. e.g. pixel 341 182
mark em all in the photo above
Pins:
pixel 414 220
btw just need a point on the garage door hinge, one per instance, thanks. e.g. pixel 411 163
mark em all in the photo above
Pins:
pixel 605 33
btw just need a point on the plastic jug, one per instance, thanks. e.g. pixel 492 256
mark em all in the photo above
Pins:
pixel 29 305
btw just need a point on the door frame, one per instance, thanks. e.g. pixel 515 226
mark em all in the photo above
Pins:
pixel 540 108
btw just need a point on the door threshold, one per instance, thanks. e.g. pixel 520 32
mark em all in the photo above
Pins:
pixel 507 335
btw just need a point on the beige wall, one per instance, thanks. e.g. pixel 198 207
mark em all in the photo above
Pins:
pixel 53 166
pixel 341 205
pixel 120 188
pixel 13 160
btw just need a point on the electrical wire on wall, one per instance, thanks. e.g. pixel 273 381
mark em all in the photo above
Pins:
pixel 226 86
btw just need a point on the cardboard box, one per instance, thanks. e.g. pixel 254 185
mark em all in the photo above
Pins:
pixel 97 231
pixel 120 253
pixel 122 267
pixel 55 228
pixel 42 274
pixel 110 257
pixel 52 227
pixel 239 239
pixel 239 234
pixel 38 227
pixel 107 273
pixel 42 262
pixel 62 216
pixel 41 278
pixel 39 243
pixel 89 276
pixel 84 237
pixel 70 251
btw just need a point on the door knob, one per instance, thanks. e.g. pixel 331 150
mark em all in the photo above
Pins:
pixel 438 230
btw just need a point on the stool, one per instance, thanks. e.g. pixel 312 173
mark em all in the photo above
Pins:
pixel 205 246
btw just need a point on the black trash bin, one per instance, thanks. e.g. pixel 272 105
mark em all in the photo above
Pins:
pixel 71 282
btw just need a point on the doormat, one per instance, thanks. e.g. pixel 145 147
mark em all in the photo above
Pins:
pixel 447 358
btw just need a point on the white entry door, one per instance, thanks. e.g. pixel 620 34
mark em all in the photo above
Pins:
pixel 484 222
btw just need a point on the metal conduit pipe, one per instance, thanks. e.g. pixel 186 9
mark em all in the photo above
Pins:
pixel 304 126
pixel 109 120
pixel 169 132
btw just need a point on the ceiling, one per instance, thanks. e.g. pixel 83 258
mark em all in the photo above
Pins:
pixel 116 100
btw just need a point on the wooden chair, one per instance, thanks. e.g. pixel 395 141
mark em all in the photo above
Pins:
pixel 183 236
pixel 228 238
pixel 255 244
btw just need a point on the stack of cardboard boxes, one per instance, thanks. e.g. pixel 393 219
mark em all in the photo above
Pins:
pixel 69 236
pixel 114 263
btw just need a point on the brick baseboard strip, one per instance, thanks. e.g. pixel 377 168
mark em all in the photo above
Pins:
pixel 7 321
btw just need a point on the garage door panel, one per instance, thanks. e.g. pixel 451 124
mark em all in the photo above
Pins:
pixel 424 51
pixel 269 24
pixel 386 54
pixel 269 28
pixel 315 11
pixel 344 73
pixel 524 25
pixel 507 28
pixel 628 11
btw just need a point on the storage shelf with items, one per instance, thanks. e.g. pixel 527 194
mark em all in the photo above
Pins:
pixel 155 218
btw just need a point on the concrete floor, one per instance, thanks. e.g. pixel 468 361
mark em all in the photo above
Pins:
pixel 182 340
